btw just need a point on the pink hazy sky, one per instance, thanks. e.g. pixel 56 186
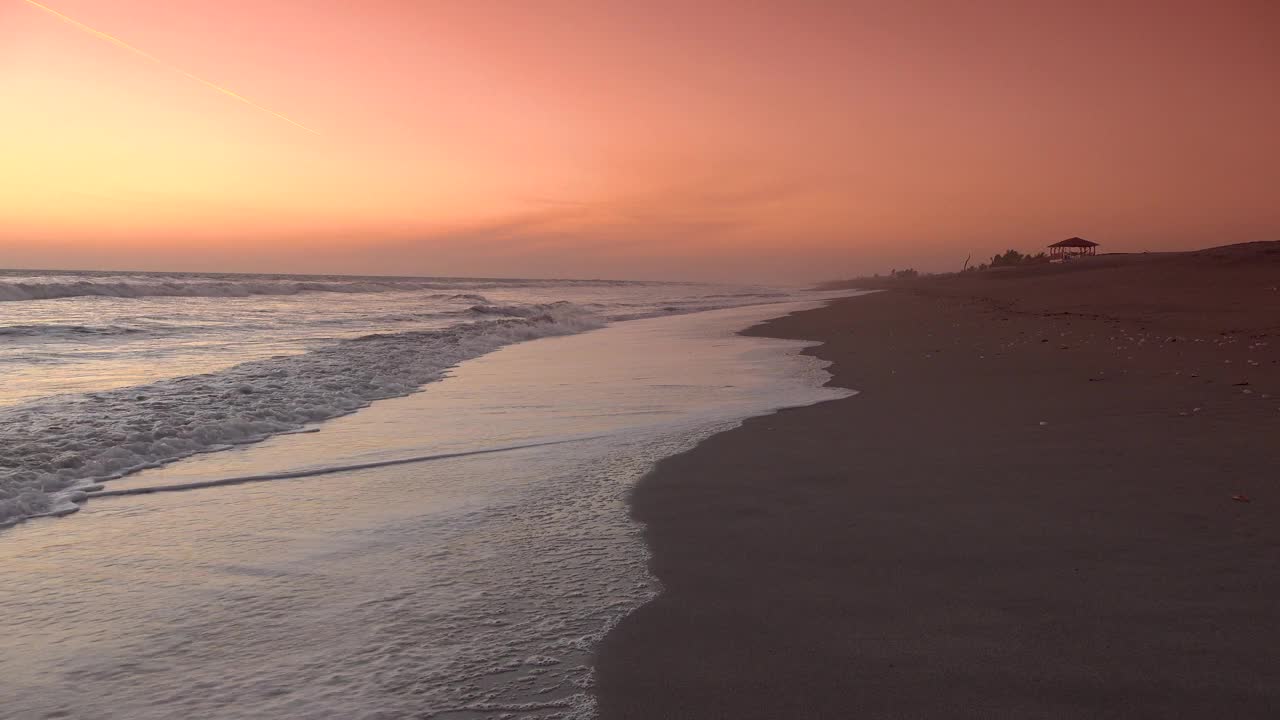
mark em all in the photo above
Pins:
pixel 769 141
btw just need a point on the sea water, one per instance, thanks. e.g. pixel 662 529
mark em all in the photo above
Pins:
pixel 464 570
pixel 105 374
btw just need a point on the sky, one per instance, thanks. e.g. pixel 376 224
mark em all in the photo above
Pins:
pixel 720 140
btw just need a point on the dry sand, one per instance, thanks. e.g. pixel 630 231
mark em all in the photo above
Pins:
pixel 1027 512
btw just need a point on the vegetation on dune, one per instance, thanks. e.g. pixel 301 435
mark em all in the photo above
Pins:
pixel 1008 259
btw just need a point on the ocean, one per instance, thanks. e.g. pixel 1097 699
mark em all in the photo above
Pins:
pixel 238 496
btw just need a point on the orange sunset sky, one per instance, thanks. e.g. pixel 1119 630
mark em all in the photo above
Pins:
pixel 768 141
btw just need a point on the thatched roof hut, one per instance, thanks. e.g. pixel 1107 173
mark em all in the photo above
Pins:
pixel 1072 247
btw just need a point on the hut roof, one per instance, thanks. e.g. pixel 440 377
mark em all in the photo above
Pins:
pixel 1074 242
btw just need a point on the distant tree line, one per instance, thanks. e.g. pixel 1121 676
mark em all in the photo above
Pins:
pixel 873 281
pixel 906 274
pixel 1010 258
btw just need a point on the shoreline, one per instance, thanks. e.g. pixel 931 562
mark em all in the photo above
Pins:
pixel 476 584
pixel 1031 509
pixel 248 397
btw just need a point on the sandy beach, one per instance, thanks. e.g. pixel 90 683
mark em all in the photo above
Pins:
pixel 1053 496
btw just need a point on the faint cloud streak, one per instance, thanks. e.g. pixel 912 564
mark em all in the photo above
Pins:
pixel 143 53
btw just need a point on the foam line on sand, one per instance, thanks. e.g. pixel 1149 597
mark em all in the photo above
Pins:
pixel 313 472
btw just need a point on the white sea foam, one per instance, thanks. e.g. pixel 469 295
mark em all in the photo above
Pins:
pixel 50 446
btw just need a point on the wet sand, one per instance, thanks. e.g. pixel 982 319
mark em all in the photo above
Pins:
pixel 1035 507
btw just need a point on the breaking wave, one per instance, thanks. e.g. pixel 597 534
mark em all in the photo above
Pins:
pixel 232 287
pixel 65 331
pixel 533 310
pixel 757 294
pixel 20 291
pixel 52 446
